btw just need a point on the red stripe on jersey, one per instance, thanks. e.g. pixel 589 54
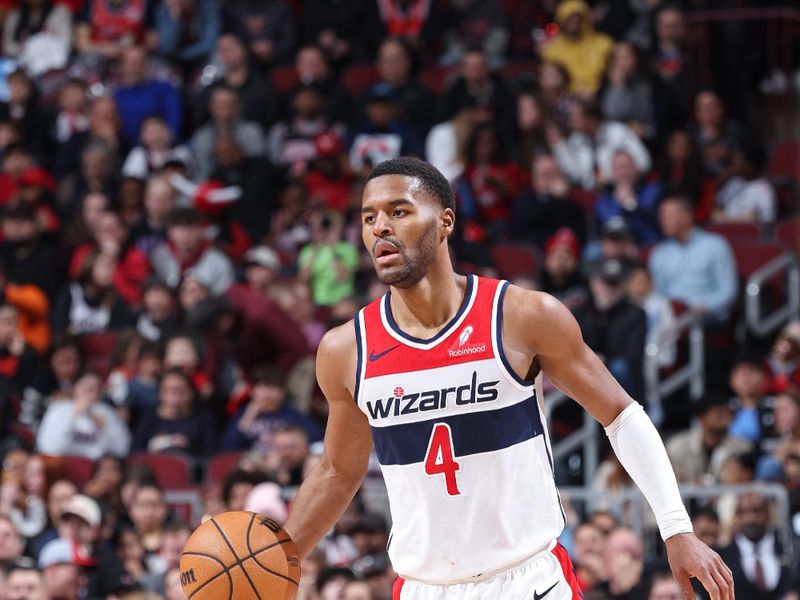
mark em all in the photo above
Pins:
pixel 470 341
pixel 397 588
pixel 569 571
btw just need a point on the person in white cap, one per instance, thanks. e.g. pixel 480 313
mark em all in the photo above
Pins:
pixel 61 573
pixel 81 524
pixel 261 268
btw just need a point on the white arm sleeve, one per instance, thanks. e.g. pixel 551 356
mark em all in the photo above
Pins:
pixel 641 451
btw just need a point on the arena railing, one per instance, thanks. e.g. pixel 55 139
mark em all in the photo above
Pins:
pixel 763 325
pixel 631 509
pixel 659 385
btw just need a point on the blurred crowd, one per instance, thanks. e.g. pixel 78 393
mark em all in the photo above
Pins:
pixel 180 185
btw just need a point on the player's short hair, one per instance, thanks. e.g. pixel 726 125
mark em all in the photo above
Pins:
pixel 431 180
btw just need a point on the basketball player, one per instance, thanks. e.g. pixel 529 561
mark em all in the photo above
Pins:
pixel 442 375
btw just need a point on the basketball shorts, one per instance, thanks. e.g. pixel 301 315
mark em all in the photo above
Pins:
pixel 548 575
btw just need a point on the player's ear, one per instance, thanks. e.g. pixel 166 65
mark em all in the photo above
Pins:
pixel 448 221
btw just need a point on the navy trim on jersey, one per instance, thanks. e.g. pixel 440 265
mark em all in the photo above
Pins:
pixel 359 356
pixel 500 352
pixel 443 331
pixel 473 433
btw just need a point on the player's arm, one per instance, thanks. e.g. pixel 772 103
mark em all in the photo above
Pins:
pixel 539 326
pixel 329 488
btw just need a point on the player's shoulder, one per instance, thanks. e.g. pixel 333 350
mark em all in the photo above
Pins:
pixel 339 342
pixel 530 304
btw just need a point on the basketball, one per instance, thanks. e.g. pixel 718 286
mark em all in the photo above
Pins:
pixel 240 555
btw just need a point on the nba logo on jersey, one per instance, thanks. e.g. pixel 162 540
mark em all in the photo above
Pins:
pixel 460 438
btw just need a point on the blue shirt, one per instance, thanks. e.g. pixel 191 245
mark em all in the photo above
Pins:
pixel 152 98
pixel 642 220
pixel 700 273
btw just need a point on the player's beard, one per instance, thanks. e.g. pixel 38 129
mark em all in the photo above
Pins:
pixel 414 266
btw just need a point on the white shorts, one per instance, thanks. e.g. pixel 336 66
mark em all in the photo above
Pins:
pixel 547 576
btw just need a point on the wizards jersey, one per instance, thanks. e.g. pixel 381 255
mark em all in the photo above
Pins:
pixel 461 440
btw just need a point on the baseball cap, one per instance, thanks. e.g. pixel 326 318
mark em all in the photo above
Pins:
pixel 610 270
pixel 263 256
pixel 381 92
pixel 57 552
pixel 564 238
pixel 617 228
pixel 371 565
pixel 328 143
pixel 85 508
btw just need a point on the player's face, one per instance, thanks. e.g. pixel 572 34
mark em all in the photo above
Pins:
pixel 403 228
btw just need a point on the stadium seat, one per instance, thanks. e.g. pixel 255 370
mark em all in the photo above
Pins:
pixel 284 79
pixel 436 78
pixel 736 232
pixel 97 349
pixel 172 471
pixel 222 464
pixel 359 78
pixel 784 160
pixel 79 469
pixel 515 260
pixel 644 253
pixel 586 199
pixel 788 232
pixel 751 256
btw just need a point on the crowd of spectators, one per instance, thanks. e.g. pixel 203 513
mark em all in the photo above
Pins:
pixel 179 226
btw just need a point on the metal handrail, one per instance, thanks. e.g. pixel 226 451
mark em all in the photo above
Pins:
pixel 766 324
pixel 619 501
pixel 585 437
pixel 692 373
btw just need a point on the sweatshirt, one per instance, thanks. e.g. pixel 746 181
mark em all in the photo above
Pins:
pixel 63 432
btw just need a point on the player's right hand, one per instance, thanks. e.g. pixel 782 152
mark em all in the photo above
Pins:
pixel 689 557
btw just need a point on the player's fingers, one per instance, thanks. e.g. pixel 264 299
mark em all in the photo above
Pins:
pixel 724 578
pixel 724 589
pixel 686 585
pixel 710 585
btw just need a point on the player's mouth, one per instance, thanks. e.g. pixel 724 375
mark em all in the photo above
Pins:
pixel 385 252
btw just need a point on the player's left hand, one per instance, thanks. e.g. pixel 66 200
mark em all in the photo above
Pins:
pixel 689 557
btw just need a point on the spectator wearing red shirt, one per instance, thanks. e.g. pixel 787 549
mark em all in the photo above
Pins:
pixel 132 266
pixel 490 181
pixel 106 27
pixel 783 362
pixel 329 179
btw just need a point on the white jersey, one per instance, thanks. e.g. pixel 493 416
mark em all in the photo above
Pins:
pixel 461 440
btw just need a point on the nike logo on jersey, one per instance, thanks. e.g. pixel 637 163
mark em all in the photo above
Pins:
pixel 544 593
pixel 373 356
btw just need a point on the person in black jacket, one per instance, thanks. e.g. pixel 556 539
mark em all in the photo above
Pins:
pixel 755 556
pixel 613 326
pixel 544 208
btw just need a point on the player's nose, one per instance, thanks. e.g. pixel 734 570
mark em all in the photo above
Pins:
pixel 382 225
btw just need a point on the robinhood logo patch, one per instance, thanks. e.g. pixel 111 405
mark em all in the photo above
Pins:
pixel 463 348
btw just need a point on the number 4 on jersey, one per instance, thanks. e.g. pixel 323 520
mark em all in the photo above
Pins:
pixel 439 460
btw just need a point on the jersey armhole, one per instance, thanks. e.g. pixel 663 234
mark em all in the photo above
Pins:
pixel 497 338
pixel 358 322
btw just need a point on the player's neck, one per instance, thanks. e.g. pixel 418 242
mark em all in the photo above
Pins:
pixel 426 307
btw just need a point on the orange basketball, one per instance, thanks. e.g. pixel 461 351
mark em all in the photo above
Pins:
pixel 240 555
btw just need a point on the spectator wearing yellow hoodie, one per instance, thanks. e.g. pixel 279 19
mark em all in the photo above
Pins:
pixel 579 48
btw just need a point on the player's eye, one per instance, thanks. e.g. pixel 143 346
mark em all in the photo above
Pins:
pixel 398 212
pixel 369 219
